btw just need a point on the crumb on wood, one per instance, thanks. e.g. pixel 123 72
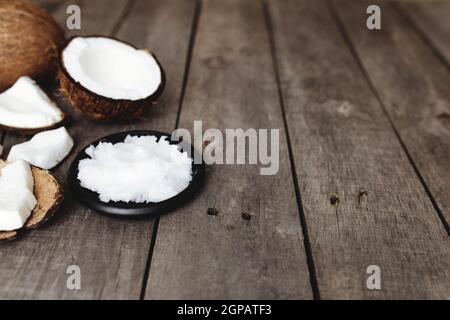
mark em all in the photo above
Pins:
pixel 443 115
pixel 212 212
pixel 247 216
pixel 334 200
pixel 361 194
pixel 444 118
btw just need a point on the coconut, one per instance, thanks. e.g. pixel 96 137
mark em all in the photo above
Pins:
pixel 30 39
pixel 16 195
pixel 25 108
pixel 45 150
pixel 106 78
pixel 49 195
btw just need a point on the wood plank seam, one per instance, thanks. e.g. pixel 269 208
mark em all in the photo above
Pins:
pixel 357 58
pixel 149 259
pixel 224 255
pixel 123 16
pixel 37 292
pixel 351 163
pixel 195 20
pixel 54 6
pixel 125 13
pixel 302 217
pixel 421 33
pixel 197 13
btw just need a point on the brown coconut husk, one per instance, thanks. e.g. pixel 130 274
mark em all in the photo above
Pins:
pixel 30 40
pixel 32 131
pixel 98 107
pixel 8 235
pixel 49 195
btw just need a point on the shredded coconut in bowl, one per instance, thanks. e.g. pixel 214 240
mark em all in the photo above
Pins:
pixel 140 169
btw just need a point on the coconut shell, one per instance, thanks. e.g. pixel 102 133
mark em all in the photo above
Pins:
pixel 98 107
pixel 49 195
pixel 30 40
pixel 32 131
pixel 8 235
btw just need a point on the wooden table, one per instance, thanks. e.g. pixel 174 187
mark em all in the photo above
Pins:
pixel 364 178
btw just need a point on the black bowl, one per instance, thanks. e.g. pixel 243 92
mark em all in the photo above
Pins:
pixel 123 209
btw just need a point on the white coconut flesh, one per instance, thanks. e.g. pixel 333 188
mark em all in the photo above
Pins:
pixel 111 68
pixel 16 195
pixel 140 169
pixel 26 106
pixel 45 150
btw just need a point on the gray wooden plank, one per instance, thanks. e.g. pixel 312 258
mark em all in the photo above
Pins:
pixel 431 18
pixel 413 85
pixel 92 12
pixel 363 202
pixel 164 29
pixel 111 253
pixel 35 265
pixel 204 256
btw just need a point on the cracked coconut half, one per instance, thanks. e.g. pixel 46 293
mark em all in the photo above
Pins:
pixel 108 79
pixel 28 197
pixel 25 108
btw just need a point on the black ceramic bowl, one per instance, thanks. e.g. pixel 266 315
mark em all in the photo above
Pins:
pixel 131 209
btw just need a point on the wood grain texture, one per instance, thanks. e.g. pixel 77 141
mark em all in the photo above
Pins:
pixel 431 18
pixel 35 265
pixel 165 29
pixel 111 253
pixel 413 84
pixel 363 202
pixel 221 255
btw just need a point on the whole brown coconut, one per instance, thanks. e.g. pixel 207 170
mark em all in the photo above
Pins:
pixel 29 42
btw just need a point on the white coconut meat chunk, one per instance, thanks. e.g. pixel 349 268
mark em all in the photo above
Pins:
pixel 16 195
pixel 26 106
pixel 111 68
pixel 45 150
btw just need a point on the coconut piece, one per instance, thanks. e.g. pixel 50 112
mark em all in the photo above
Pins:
pixel 8 235
pixel 107 79
pixel 30 40
pixel 49 195
pixel 26 108
pixel 45 150
pixel 17 200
